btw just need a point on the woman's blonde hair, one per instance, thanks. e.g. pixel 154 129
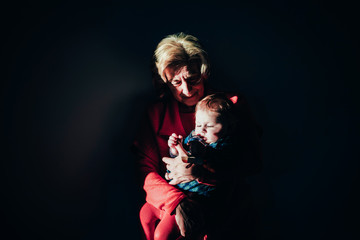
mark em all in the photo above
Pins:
pixel 179 50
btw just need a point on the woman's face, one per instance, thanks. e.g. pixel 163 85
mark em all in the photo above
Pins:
pixel 186 84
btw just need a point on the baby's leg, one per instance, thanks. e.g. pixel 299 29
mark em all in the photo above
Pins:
pixel 167 228
pixel 148 217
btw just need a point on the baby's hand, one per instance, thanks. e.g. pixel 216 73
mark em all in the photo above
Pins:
pixel 174 140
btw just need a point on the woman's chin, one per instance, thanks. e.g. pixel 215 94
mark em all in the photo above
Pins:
pixel 191 101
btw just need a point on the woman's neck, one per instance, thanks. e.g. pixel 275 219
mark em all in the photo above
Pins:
pixel 186 109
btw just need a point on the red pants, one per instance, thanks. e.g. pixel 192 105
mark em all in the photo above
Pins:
pixel 158 225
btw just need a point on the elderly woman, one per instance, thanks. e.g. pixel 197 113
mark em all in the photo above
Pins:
pixel 180 77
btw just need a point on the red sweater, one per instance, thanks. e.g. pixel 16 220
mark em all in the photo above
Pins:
pixel 161 120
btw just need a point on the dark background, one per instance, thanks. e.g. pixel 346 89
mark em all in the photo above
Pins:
pixel 76 78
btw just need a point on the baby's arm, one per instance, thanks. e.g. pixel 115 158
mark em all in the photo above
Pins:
pixel 173 142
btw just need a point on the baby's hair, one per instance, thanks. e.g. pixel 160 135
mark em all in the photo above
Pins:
pixel 221 104
pixel 216 102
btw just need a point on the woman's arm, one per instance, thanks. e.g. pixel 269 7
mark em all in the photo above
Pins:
pixel 159 192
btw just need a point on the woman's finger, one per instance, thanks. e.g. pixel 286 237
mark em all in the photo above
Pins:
pixel 167 177
pixel 170 167
pixel 181 150
pixel 174 181
pixel 170 175
pixel 168 160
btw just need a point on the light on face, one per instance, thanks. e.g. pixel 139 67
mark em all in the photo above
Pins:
pixel 206 125
pixel 186 84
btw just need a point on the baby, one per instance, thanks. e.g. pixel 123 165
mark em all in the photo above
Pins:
pixel 206 147
pixel 214 121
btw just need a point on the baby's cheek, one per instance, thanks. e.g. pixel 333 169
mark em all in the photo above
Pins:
pixel 215 136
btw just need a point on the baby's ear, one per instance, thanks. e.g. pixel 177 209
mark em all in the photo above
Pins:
pixel 234 99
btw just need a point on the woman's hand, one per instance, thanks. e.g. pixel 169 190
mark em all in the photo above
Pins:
pixel 180 171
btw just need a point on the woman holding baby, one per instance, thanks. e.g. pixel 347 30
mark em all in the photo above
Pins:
pixel 171 174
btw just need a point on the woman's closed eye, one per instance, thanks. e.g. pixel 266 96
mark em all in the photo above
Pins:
pixel 176 83
pixel 194 80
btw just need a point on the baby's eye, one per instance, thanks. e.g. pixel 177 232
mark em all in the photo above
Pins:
pixel 210 126
pixel 198 125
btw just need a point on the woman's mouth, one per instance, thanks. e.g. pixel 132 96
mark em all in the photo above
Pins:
pixel 189 97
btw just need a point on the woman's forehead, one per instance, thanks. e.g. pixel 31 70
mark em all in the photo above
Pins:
pixel 172 71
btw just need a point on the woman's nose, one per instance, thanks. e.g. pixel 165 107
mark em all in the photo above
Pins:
pixel 186 89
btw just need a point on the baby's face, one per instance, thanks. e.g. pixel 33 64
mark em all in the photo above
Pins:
pixel 206 126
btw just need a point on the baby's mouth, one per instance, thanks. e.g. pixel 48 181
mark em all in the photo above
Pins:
pixel 202 137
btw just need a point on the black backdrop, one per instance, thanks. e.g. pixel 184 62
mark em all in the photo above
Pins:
pixel 76 78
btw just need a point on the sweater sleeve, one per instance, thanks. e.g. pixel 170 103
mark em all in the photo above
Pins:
pixel 159 192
